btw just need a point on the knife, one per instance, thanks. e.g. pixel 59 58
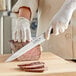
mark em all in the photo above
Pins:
pixel 38 40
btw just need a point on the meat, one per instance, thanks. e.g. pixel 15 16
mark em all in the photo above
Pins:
pixel 33 54
pixel 35 70
pixel 33 67
pixel 32 63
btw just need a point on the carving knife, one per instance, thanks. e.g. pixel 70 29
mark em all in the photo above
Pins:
pixel 38 40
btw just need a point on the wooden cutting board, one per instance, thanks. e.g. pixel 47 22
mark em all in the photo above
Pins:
pixel 56 66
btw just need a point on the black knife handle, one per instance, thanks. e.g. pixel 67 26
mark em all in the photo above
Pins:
pixel 51 31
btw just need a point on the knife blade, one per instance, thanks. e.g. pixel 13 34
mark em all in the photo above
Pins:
pixel 38 40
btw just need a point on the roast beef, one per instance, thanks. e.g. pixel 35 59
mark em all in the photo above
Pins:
pixel 33 54
pixel 33 67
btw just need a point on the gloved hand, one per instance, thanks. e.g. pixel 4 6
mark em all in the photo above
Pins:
pixel 61 20
pixel 22 31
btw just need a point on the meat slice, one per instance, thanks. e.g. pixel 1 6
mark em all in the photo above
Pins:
pixel 33 54
pixel 32 63
pixel 33 67
pixel 35 70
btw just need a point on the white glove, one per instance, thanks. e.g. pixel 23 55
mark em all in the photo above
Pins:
pixel 22 30
pixel 61 20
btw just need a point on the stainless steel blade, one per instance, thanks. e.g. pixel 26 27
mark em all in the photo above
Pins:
pixel 27 47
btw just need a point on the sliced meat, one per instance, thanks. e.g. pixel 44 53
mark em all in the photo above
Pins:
pixel 35 70
pixel 33 54
pixel 32 63
pixel 33 67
